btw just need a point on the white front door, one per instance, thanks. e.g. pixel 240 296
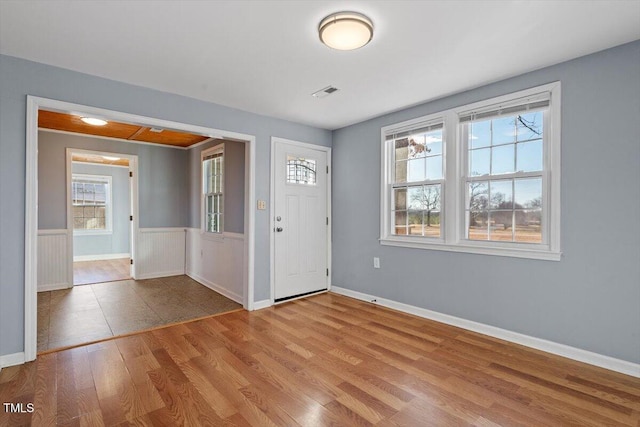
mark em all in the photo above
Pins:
pixel 300 220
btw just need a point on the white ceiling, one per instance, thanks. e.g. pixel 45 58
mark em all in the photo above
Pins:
pixel 265 56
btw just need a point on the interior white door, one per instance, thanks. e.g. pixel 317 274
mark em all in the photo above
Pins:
pixel 301 220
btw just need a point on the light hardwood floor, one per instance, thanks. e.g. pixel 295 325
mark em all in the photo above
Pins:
pixel 325 360
pixel 109 270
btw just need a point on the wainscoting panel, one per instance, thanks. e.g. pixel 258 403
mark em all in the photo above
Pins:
pixel 217 262
pixel 160 253
pixel 53 260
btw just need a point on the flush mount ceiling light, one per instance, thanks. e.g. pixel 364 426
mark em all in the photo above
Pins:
pixel 111 158
pixel 93 121
pixel 345 30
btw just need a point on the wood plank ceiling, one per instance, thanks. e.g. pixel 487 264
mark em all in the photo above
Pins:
pixel 72 123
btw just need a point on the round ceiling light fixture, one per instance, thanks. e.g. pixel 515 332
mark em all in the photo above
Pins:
pixel 345 30
pixel 93 121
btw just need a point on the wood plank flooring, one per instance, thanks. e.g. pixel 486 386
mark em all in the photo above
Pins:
pixel 326 360
pixel 109 270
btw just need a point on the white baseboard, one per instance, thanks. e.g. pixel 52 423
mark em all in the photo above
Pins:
pixel 259 305
pixel 215 287
pixel 607 362
pixel 11 359
pixel 100 257
pixel 53 287
pixel 156 275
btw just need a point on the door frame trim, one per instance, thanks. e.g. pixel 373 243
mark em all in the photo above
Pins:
pixel 34 103
pixel 272 188
pixel 133 209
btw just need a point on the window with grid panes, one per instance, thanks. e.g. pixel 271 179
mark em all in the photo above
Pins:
pixel 417 180
pixel 213 189
pixel 479 178
pixel 91 203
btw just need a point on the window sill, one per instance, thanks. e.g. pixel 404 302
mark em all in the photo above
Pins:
pixel 472 249
pixel 92 232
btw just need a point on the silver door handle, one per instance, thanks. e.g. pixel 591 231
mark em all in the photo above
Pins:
pixel 279 229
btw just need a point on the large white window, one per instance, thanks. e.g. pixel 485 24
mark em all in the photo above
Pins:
pixel 91 203
pixel 213 189
pixel 481 178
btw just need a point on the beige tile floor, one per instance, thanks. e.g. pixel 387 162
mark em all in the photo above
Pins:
pixel 92 312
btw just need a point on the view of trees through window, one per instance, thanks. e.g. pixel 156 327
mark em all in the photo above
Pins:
pixel 418 184
pixel 504 185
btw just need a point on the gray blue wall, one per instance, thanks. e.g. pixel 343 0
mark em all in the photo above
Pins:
pixel 590 299
pixel 19 78
pixel 234 170
pixel 162 179
pixel 117 241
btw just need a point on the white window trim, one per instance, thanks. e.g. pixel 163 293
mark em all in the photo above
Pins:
pixel 210 235
pixel 108 205
pixel 452 217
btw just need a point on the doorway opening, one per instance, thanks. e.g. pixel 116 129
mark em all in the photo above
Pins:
pixel 148 247
pixel 100 215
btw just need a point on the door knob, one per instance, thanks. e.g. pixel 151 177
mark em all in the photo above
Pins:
pixel 279 229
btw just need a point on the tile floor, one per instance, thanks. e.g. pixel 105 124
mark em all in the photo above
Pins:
pixel 92 312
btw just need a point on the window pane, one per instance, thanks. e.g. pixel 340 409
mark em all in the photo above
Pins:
pixel 415 223
pixel 478 196
pixel 402 149
pixel 501 194
pixel 504 130
pixel 416 196
pixel 78 211
pixel 479 161
pixel 528 226
pixel 417 147
pixel 529 126
pixel 480 134
pixel 500 225
pixel 100 212
pixel 434 167
pixel 78 223
pixel 219 204
pixel 416 170
pixel 400 198
pixel 401 171
pixel 431 223
pixel 502 160
pixel 478 225
pixel 530 156
pixel 89 212
pixel 425 198
pixel 299 171
pixel 401 222
pixel 528 193
pixel 434 143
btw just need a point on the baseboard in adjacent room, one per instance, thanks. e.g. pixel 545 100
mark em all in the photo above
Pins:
pixel 215 287
pixel 607 362
pixel 53 287
pixel 157 275
pixel 102 257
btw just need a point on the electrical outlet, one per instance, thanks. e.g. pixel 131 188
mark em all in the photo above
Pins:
pixel 262 205
pixel 376 262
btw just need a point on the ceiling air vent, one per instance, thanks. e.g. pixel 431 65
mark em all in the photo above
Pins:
pixel 324 92
pixel 156 130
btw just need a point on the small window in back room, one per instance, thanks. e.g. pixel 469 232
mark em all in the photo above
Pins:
pixel 91 200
